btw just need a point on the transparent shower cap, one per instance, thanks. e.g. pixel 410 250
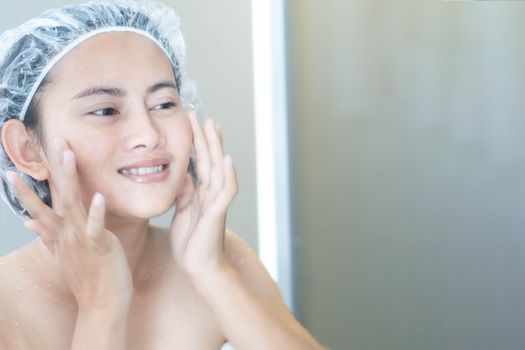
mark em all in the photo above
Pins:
pixel 29 52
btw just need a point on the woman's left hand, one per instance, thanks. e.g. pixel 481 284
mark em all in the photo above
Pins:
pixel 198 227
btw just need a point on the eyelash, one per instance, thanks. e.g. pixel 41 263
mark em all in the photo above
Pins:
pixel 103 114
pixel 169 105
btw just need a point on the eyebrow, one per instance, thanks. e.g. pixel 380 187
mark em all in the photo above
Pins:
pixel 117 92
pixel 100 90
pixel 162 85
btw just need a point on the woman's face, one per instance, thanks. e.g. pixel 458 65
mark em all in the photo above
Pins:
pixel 114 100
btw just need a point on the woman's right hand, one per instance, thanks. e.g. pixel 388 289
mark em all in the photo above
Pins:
pixel 89 257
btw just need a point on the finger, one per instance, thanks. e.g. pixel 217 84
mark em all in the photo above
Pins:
pixel 202 156
pixel 183 220
pixel 37 209
pixel 219 132
pixel 185 194
pixel 230 183
pixel 96 216
pixel 216 155
pixel 59 147
pixel 47 237
pixel 70 195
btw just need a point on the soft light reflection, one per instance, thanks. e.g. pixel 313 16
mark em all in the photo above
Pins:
pixel 271 141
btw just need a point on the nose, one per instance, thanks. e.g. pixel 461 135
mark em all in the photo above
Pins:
pixel 142 131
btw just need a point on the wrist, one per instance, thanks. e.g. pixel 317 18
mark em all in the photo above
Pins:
pixel 115 304
pixel 101 324
pixel 213 278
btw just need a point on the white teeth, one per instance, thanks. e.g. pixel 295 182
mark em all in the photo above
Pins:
pixel 142 171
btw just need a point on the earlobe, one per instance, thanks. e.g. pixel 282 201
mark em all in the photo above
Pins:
pixel 21 148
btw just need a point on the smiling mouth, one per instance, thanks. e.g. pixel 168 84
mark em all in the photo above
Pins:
pixel 143 171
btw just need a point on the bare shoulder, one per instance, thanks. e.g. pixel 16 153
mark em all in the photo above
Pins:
pixel 4 298
pixel 11 295
pixel 12 268
pixel 253 273
pixel 9 264
pixel 20 269
pixel 5 310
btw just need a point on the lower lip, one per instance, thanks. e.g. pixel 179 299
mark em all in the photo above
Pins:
pixel 149 178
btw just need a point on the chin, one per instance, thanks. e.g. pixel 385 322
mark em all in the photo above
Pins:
pixel 150 211
pixel 143 209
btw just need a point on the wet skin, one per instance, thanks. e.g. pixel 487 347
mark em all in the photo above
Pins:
pixel 111 104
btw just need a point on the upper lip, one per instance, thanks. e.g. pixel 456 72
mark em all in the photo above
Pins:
pixel 146 163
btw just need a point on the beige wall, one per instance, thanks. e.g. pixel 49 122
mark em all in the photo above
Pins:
pixel 218 38
pixel 408 173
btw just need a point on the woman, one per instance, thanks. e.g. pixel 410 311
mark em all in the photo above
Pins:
pixel 98 136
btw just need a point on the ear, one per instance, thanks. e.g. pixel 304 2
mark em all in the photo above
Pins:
pixel 21 147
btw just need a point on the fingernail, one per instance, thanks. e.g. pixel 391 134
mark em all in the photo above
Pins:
pixel 213 124
pixel 58 145
pixel 10 176
pixel 98 200
pixel 228 160
pixel 27 225
pixel 68 156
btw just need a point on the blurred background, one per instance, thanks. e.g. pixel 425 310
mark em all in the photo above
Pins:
pixel 406 156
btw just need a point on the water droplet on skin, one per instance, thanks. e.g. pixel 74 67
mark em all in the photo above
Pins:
pixel 36 286
pixel 16 324
pixel 18 288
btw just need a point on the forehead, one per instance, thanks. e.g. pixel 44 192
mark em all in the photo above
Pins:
pixel 110 57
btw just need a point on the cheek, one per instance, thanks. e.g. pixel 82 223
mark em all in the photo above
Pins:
pixel 91 157
pixel 87 153
pixel 179 136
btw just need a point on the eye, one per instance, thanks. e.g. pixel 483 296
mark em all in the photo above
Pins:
pixel 166 105
pixel 104 112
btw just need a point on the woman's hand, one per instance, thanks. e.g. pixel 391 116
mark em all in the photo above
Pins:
pixel 198 227
pixel 90 258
